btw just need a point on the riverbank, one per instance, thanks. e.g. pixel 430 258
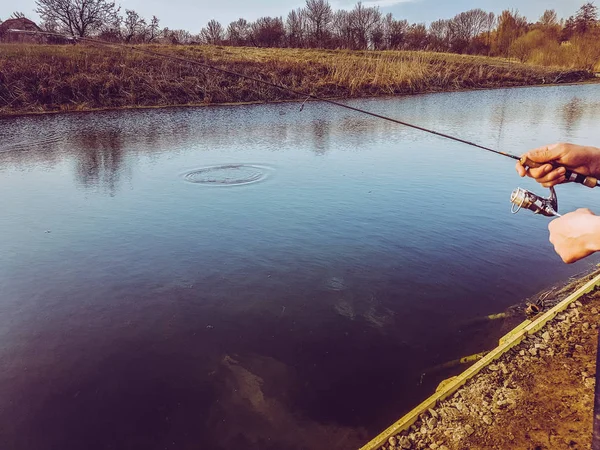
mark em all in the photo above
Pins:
pixel 539 394
pixel 42 78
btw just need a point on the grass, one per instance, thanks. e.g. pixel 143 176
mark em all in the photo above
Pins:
pixel 39 78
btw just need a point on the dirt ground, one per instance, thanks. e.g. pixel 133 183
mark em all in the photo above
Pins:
pixel 539 395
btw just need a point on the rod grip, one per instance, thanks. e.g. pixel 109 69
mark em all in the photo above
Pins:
pixel 570 176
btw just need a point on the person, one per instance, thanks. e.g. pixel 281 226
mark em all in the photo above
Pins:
pixel 575 235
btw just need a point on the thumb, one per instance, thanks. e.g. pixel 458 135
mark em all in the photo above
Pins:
pixel 545 154
pixel 584 211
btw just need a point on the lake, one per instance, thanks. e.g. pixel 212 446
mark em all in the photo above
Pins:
pixel 258 276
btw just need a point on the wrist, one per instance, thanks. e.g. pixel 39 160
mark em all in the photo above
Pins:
pixel 593 241
pixel 594 161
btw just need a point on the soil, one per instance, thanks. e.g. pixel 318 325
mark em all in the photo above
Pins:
pixel 539 395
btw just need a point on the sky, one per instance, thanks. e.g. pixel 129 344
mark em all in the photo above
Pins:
pixel 192 15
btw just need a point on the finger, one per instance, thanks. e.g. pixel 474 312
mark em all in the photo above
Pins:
pixel 545 154
pixel 554 182
pixel 521 170
pixel 540 172
pixel 553 175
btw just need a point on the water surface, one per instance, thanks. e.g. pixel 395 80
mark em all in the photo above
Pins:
pixel 146 303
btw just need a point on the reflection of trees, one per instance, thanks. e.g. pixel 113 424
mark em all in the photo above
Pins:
pixel 99 161
pixel 572 113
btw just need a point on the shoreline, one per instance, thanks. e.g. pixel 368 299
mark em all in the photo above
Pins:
pixel 506 398
pixel 15 114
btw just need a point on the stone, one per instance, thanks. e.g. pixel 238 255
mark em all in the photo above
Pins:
pixel 493 367
pixel 393 441
pixel 423 430
pixel 459 406
pixel 432 423
pixel 487 420
pixel 578 303
pixel 541 346
pixel 434 446
pixel 594 311
pixel 533 351
pixel 405 443
pixel 589 382
pixel 443 447
pixel 585 326
pixel 434 414
pixel 469 429
pixel 522 353
pixel 546 336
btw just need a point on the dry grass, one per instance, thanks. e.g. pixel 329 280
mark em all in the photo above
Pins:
pixel 55 78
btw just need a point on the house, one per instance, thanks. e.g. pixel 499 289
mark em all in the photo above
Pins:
pixel 19 24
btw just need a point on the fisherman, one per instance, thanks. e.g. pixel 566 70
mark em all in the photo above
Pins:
pixel 577 234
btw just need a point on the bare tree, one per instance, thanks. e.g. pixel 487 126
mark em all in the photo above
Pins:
pixel 465 27
pixel 364 20
pixel 416 37
pixel 295 26
pixel 238 32
pixel 440 35
pixel 319 16
pixel 549 18
pixel 77 17
pixel 134 26
pixel 17 15
pixel 268 32
pixel 341 28
pixel 153 30
pixel 213 33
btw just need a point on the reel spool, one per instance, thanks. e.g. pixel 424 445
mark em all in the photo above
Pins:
pixel 522 198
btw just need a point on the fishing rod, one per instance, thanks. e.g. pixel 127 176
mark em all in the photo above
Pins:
pixel 520 198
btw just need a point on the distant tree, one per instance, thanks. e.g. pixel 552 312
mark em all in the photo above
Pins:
pixel 395 32
pixel 318 16
pixel 440 35
pixel 549 18
pixel 17 15
pixel 213 33
pixel 511 26
pixel 295 26
pixel 134 26
pixel 364 20
pixel 341 28
pixel 153 30
pixel 416 37
pixel 464 27
pixel 77 17
pixel 268 32
pixel 238 32
pixel 586 18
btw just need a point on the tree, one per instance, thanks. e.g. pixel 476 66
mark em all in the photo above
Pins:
pixel 549 18
pixel 295 26
pixel 238 32
pixel 464 27
pixel 364 20
pixel 134 26
pixel 510 27
pixel 77 17
pixel 268 32
pixel 318 15
pixel 153 30
pixel 416 37
pixel 17 15
pixel 213 33
pixel 586 18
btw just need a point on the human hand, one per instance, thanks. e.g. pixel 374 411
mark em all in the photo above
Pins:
pixel 580 159
pixel 575 235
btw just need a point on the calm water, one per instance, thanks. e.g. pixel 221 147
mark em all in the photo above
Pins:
pixel 145 305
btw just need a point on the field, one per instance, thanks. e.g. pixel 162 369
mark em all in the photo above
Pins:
pixel 41 78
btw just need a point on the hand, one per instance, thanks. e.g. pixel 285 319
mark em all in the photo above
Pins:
pixel 575 235
pixel 580 159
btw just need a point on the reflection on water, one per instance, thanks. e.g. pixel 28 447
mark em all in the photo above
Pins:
pixel 139 310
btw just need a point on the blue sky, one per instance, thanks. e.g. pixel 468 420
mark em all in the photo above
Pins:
pixel 192 15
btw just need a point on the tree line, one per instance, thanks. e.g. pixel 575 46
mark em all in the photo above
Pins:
pixel 318 25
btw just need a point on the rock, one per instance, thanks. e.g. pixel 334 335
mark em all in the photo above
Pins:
pixel 589 382
pixel 572 306
pixel 434 414
pixel 434 446
pixel 432 423
pixel 585 326
pixel 546 336
pixel 533 351
pixel 594 311
pixel 579 347
pixel 459 406
pixel 503 368
pixel 522 353
pixel 493 367
pixel 541 346
pixel 578 303
pixel 469 429
pixel 393 441
pixel 487 420
pixel 423 430
pixel 443 447
pixel 405 443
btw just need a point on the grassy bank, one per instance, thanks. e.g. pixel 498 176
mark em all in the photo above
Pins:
pixel 37 78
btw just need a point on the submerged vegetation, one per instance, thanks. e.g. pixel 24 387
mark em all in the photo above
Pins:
pixel 36 78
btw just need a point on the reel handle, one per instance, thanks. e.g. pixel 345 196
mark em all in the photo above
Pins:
pixel 571 176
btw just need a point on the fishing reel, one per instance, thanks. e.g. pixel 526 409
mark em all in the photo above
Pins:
pixel 522 198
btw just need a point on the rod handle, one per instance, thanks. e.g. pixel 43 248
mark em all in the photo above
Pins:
pixel 570 176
